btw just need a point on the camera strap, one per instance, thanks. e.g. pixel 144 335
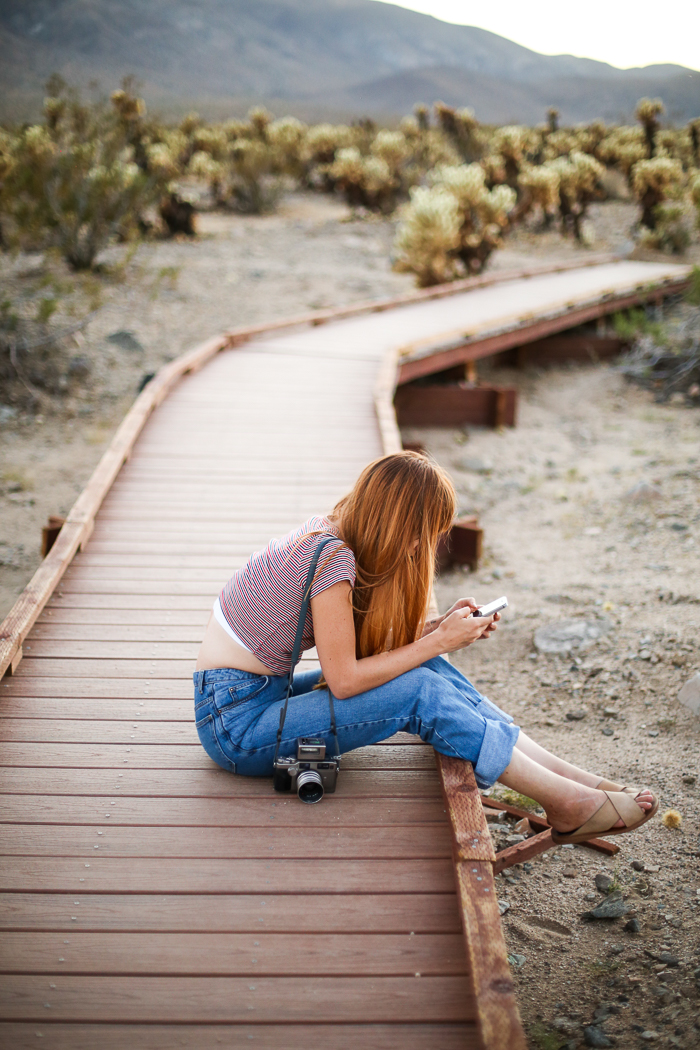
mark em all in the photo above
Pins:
pixel 297 647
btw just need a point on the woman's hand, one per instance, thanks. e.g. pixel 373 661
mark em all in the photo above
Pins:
pixel 460 629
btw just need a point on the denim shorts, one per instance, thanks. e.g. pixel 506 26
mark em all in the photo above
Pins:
pixel 237 715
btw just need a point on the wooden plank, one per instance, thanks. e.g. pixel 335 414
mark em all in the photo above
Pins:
pixel 236 913
pixel 232 1000
pixel 63 1036
pixel 210 782
pixel 453 405
pixel 428 841
pixel 232 954
pixel 102 689
pixel 195 875
pixel 220 812
pixel 92 755
pixel 66 730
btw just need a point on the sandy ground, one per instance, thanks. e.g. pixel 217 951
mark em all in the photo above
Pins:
pixel 566 538
pixel 562 540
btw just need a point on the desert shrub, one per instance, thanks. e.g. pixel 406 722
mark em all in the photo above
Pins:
pixel 579 184
pixel 512 144
pixel 670 233
pixel 622 148
pixel 452 227
pixel 74 181
pixel 366 181
pixel 695 195
pixel 653 182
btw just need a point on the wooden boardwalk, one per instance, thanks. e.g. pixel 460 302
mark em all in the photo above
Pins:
pixel 151 900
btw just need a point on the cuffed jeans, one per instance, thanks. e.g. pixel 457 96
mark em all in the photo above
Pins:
pixel 237 715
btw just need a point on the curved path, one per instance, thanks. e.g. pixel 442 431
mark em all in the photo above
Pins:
pixel 150 899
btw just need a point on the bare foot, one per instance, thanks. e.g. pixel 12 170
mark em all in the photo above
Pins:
pixel 568 815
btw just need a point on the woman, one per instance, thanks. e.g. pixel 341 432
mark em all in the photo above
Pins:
pixel 382 661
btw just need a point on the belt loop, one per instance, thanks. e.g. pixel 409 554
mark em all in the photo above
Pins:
pixel 199 680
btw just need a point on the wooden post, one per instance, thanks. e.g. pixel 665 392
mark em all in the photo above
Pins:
pixel 49 533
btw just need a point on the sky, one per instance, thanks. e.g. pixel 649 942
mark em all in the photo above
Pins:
pixel 624 33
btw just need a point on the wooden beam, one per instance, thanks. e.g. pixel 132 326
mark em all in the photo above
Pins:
pixel 443 405
pixel 462 545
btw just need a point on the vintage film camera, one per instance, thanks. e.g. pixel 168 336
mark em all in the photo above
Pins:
pixel 310 774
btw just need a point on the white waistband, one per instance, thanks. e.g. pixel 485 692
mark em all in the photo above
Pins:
pixel 221 619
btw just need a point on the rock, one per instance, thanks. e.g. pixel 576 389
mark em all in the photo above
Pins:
pixel 125 340
pixel 632 926
pixel 607 731
pixel 594 1036
pixel 495 816
pixel 689 695
pixel 649 1035
pixel 569 873
pixel 644 654
pixel 79 367
pixel 575 716
pixel 7 413
pixel 603 882
pixel 523 827
pixel 590 897
pixel 562 636
pixel 513 840
pixel 610 712
pixel 638 865
pixel 471 463
pixel 503 907
pixel 678 526
pixel 642 492
pixel 689 778
pixel 611 908
pixel 517 961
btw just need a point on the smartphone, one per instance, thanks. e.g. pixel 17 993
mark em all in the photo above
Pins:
pixel 492 607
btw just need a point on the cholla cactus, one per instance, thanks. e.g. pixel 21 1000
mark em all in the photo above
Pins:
pixel 654 181
pixel 255 185
pixel 694 135
pixel 647 113
pixel 75 181
pixel 366 181
pixel 435 245
pixel 512 143
pixel 579 184
pixel 622 148
pixel 539 188
pixel 695 195
pixel 428 236
pixel 462 128
pixel 670 233
pixel 287 138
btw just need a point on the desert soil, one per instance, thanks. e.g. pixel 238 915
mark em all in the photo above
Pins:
pixel 567 536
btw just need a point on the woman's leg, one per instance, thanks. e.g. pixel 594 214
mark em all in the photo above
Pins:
pixel 567 804
pixel 419 701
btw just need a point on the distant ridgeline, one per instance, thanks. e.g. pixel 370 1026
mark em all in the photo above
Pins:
pixel 312 58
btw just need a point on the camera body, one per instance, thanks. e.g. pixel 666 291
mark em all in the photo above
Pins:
pixel 310 774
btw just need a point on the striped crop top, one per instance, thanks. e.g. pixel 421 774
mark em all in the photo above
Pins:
pixel 262 600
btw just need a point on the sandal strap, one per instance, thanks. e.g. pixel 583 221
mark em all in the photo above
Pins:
pixel 617 806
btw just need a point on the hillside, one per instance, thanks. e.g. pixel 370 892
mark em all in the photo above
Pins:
pixel 340 55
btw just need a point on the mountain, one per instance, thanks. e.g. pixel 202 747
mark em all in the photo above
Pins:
pixel 320 55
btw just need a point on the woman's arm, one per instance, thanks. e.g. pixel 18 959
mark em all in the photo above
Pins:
pixel 334 630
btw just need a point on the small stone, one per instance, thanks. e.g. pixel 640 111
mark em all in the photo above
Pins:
pixel 562 636
pixel 644 654
pixel 653 732
pixel 125 341
pixel 649 1035
pixel 610 712
pixel 607 731
pixel 642 492
pixel 523 827
pixel 503 907
pixel 575 716
pixel 689 778
pixel 611 908
pixel 668 960
pixel 569 873
pixel 596 1037
pixel 495 816
pixel 517 961
pixel 689 695
pixel 513 840
pixel 603 882
pixel 590 897
pixel 638 865
pixel 632 926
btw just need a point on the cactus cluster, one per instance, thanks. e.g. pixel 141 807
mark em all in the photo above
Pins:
pixel 89 171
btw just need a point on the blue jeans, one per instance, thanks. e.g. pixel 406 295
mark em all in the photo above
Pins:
pixel 237 716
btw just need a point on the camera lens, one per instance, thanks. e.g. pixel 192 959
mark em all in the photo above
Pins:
pixel 310 786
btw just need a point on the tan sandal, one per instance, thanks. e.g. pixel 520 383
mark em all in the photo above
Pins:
pixel 610 785
pixel 617 806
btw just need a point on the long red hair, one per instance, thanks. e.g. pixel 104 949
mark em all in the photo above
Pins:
pixel 397 499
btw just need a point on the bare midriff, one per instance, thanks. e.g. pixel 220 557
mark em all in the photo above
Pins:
pixel 220 650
